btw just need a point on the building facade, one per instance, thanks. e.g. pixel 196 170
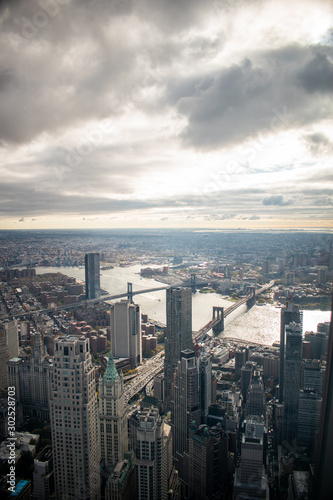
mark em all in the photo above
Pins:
pixel 292 380
pixel 74 421
pixel 178 334
pixel 289 313
pixel 112 417
pixel 125 324
pixel 30 375
pixel 92 274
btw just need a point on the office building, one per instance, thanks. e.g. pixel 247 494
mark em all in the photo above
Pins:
pixel 292 380
pixel 246 377
pixel 112 417
pixel 318 342
pixel 289 313
pixel 178 334
pixel 321 276
pixel 241 356
pixel 205 384
pixel 43 475
pixel 92 273
pixel 313 375
pixel 206 472
pixel 74 421
pixel 125 324
pixel 30 375
pixel 309 406
pixel 9 348
pixel 186 400
pixel 255 401
pixel 120 484
pixel 323 483
pixel 155 475
pixel 250 478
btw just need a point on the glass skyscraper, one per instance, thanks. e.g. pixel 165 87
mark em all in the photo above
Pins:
pixel 93 289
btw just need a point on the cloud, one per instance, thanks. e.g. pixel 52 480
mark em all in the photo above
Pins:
pixel 318 143
pixel 275 200
pixel 265 93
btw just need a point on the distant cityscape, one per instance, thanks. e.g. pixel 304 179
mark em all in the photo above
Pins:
pixel 100 401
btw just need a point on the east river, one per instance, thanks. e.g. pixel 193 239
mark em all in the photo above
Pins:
pixel 258 324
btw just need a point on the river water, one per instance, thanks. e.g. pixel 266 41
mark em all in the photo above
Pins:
pixel 258 324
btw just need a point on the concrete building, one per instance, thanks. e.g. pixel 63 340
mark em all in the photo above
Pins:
pixel 43 475
pixel 155 476
pixel 125 324
pixel 178 334
pixel 92 274
pixel 309 406
pixel 30 375
pixel 241 356
pixel 9 348
pixel 205 462
pixel 250 478
pixel 205 384
pixel 112 418
pixel 74 421
pixel 246 377
pixel 255 401
pixel 292 380
pixel 318 341
pixel 186 400
pixel 313 372
pixel 289 313
pixel 121 481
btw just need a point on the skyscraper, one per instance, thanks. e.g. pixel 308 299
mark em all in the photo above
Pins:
pixel 255 402
pixel 9 348
pixel 205 462
pixel 74 421
pixel 289 313
pixel 153 444
pixel 250 478
pixel 323 485
pixel 186 400
pixel 205 384
pixel 125 324
pixel 309 406
pixel 30 375
pixel 112 417
pixel 93 289
pixel 178 335
pixel 292 380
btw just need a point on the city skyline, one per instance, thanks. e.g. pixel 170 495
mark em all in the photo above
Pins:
pixel 122 114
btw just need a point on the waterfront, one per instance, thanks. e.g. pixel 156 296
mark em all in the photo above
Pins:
pixel 259 324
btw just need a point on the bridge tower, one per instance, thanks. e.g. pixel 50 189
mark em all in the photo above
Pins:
pixel 130 292
pixel 251 291
pixel 193 283
pixel 218 312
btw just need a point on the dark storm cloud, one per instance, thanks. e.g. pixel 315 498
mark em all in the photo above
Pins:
pixel 267 92
pixel 317 75
pixel 319 143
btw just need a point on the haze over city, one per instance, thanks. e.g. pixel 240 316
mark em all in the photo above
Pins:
pixel 214 114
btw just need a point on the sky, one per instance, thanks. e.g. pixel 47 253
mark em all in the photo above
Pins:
pixel 166 113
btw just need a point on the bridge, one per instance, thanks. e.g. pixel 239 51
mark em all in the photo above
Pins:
pixel 129 295
pixel 220 313
pixel 218 319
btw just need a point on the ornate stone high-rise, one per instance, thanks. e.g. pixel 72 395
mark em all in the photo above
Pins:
pixel 74 421
pixel 29 373
pixel 112 417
